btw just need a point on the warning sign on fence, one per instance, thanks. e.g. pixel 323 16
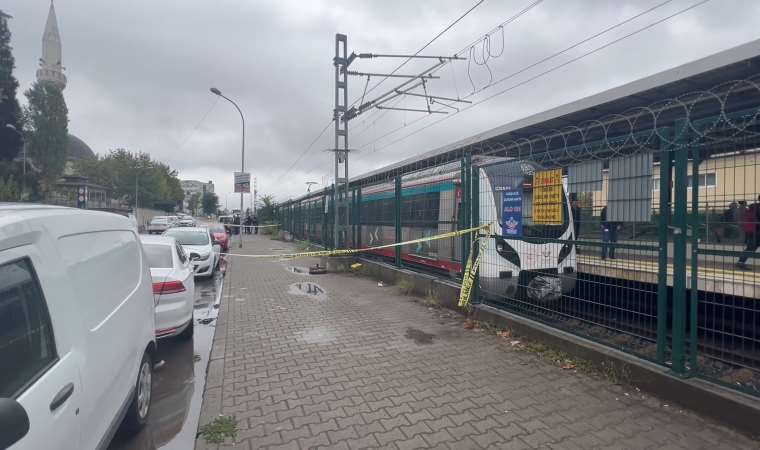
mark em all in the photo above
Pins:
pixel 547 197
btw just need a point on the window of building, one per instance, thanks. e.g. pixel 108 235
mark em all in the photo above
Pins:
pixel 27 347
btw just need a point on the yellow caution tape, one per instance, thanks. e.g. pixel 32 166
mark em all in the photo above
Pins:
pixel 251 226
pixel 470 271
pixel 353 251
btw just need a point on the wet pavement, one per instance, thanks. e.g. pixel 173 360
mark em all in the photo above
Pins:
pixel 340 361
pixel 178 384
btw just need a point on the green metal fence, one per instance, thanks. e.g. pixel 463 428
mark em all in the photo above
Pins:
pixel 637 230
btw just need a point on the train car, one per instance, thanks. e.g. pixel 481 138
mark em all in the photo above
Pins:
pixel 524 259
pixel 430 204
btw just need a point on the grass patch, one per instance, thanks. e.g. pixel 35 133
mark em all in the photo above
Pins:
pixel 218 430
pixel 406 286
pixel 609 370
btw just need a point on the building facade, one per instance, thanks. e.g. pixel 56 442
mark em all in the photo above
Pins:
pixel 191 187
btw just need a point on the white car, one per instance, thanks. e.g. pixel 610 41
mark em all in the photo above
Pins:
pixel 198 244
pixel 77 332
pixel 159 224
pixel 173 286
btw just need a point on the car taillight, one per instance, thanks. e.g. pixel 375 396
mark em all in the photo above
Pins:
pixel 168 287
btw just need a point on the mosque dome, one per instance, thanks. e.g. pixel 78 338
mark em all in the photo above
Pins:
pixel 78 149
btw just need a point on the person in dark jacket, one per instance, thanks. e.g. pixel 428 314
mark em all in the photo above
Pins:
pixel 609 234
pixel 751 227
pixel 255 223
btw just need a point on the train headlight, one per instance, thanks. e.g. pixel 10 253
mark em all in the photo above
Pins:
pixel 564 252
pixel 506 251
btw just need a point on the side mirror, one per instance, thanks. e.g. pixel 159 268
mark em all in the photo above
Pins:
pixel 14 422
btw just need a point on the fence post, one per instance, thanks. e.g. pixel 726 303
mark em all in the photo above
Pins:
pixel 465 213
pixel 694 298
pixel 666 165
pixel 323 213
pixel 397 219
pixel 679 248
pixel 358 217
pixel 475 213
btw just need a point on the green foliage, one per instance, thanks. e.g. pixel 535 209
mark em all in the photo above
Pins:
pixel 218 430
pixel 127 173
pixel 209 202
pixel 9 190
pixel 47 125
pixel 266 210
pixel 406 286
pixel 193 203
pixel 10 112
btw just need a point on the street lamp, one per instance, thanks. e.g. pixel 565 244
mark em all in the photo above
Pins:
pixel 216 91
pixel 23 148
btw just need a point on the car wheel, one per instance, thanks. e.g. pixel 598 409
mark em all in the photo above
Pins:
pixel 187 333
pixel 139 407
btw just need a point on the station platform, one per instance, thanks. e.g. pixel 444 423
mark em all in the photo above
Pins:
pixel 339 361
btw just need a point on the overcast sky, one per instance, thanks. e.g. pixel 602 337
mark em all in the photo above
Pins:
pixel 139 71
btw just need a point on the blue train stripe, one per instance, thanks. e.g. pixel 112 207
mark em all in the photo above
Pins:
pixel 407 192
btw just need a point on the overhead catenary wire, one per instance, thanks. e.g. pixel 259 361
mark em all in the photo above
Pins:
pixel 540 74
pixel 370 89
pixel 499 27
pixel 409 58
pixel 308 148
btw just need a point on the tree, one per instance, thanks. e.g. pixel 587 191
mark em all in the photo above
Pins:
pixel 9 190
pixel 193 202
pixel 10 112
pixel 266 210
pixel 209 201
pixel 156 184
pixel 47 125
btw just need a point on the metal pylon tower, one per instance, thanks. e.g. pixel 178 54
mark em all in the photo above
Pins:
pixel 340 188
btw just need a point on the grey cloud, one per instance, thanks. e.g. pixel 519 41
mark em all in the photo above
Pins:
pixel 139 71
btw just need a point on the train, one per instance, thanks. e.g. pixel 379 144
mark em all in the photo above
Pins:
pixel 520 259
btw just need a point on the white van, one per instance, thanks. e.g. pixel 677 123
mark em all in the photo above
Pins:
pixel 76 328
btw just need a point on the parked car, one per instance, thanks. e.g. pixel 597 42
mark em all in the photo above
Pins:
pixel 173 286
pixel 220 234
pixel 159 224
pixel 198 244
pixel 76 327
pixel 186 222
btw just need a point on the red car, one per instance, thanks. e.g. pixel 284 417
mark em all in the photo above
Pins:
pixel 219 233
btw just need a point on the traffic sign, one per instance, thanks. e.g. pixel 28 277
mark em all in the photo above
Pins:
pixel 242 182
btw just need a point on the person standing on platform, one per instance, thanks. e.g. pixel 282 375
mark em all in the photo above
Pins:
pixel 609 235
pixel 751 227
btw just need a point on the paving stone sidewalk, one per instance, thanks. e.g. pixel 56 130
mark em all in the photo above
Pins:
pixel 360 366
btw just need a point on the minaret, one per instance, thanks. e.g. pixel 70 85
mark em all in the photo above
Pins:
pixel 51 63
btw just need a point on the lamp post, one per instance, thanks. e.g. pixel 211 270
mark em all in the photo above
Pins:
pixel 23 169
pixel 216 91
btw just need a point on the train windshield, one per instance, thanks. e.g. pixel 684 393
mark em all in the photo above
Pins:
pixel 512 185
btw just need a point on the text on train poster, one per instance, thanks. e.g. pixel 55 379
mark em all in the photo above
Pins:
pixel 547 197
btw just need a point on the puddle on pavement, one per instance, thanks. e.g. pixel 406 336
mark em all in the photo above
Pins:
pixel 299 270
pixel 419 336
pixel 318 335
pixel 308 289
pixel 178 385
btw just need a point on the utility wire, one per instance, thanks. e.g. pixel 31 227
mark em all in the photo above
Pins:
pixel 499 27
pixel 541 74
pixel 480 2
pixel 197 125
pixel 314 141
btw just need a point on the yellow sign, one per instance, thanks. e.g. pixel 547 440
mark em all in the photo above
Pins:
pixel 547 197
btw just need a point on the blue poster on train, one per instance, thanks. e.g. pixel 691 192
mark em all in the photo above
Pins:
pixel 511 211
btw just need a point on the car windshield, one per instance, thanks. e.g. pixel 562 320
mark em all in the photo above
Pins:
pixel 157 220
pixel 189 237
pixel 159 255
